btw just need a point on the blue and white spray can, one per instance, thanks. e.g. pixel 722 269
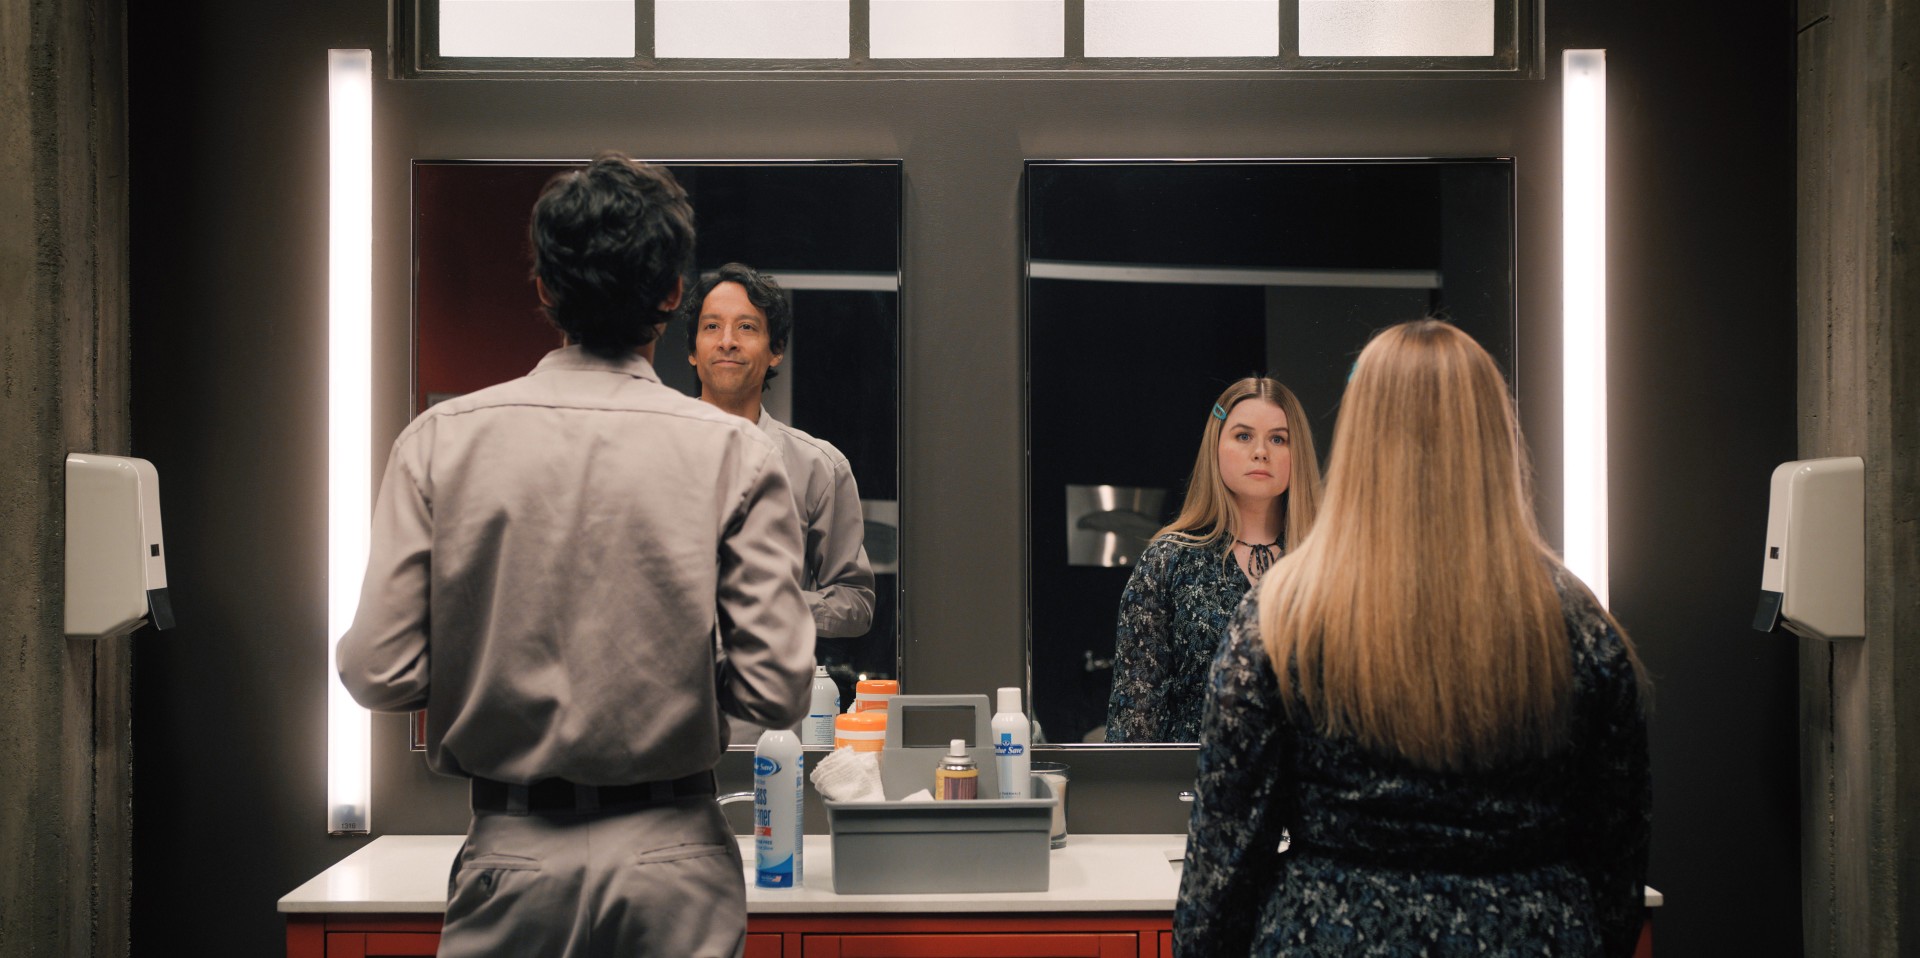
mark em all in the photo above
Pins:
pixel 779 798
pixel 1012 746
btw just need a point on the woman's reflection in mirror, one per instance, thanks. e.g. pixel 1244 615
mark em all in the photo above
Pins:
pixel 1252 495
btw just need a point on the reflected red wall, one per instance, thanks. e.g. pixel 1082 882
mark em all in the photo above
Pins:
pixel 477 320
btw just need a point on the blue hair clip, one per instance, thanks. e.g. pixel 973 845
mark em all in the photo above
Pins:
pixel 1218 413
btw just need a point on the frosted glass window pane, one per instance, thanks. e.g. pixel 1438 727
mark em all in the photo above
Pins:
pixel 939 29
pixel 1396 28
pixel 1183 28
pixel 758 29
pixel 536 28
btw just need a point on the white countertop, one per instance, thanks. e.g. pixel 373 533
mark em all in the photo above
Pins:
pixel 1119 873
pixel 407 874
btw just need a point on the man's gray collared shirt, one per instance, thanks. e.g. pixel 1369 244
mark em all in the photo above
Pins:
pixel 551 558
pixel 838 578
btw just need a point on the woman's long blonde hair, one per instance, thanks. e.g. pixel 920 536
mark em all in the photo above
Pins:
pixel 1209 517
pixel 1421 618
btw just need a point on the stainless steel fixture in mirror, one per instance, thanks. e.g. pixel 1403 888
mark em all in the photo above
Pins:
pixel 1153 285
pixel 828 231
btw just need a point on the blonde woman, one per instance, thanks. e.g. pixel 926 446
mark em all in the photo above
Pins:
pixel 1443 720
pixel 1254 489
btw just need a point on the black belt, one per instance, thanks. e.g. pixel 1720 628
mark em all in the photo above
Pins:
pixel 560 795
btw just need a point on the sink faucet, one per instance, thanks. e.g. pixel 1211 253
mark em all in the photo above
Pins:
pixel 731 797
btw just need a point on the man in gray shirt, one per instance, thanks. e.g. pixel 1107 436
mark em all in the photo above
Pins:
pixel 739 320
pixel 551 560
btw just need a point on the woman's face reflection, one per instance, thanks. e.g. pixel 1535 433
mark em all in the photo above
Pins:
pixel 1254 459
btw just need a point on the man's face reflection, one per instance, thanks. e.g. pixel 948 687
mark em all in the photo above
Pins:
pixel 731 349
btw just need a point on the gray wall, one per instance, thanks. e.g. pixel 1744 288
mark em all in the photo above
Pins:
pixel 230 251
pixel 1859 390
pixel 66 772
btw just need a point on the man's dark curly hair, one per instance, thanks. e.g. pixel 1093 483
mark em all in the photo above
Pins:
pixel 763 292
pixel 609 242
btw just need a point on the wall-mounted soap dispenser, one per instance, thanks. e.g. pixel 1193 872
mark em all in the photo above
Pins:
pixel 1813 580
pixel 116 565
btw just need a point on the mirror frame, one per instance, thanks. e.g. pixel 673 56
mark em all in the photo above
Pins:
pixel 900 294
pixel 1026 351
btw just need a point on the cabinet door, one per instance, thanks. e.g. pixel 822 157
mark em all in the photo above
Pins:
pixel 763 946
pixel 360 944
pixel 397 944
pixel 963 945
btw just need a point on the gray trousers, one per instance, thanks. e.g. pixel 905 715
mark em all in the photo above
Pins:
pixel 664 880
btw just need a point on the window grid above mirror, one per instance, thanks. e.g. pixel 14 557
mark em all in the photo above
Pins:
pixel 855 38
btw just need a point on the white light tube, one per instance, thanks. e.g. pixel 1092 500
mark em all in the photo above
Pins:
pixel 349 415
pixel 1584 313
pixel 1234 275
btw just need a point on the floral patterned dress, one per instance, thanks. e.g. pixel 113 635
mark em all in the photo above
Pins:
pixel 1173 615
pixel 1543 858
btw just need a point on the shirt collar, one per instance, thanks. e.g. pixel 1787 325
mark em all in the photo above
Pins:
pixel 576 357
pixel 766 421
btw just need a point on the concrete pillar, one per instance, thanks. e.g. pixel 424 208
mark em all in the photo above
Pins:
pixel 65 711
pixel 1859 395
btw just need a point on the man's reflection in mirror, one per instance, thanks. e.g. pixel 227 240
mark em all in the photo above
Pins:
pixel 739 321
pixel 1252 496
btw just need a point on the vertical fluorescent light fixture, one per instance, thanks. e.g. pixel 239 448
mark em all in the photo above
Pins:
pixel 349 414
pixel 1584 312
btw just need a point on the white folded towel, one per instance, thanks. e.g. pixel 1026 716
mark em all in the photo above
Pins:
pixel 847 775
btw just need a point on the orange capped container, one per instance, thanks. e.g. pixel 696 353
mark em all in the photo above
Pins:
pixel 861 731
pixel 874 694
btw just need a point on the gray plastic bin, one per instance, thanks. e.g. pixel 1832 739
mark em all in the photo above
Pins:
pixel 919 847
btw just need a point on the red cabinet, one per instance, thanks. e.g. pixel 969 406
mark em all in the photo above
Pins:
pixel 812 936
pixel 820 936
pixel 969 936
pixel 970 945
pixel 362 936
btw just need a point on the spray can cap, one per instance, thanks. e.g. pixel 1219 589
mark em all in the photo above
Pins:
pixel 1009 700
pixel 819 671
pixel 958 749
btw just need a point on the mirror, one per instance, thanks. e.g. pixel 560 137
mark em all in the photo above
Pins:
pixel 828 231
pixel 1151 286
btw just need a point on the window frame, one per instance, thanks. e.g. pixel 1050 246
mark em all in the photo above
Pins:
pixel 415 30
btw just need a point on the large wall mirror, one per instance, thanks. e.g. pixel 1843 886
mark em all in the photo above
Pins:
pixel 829 231
pixel 1151 286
